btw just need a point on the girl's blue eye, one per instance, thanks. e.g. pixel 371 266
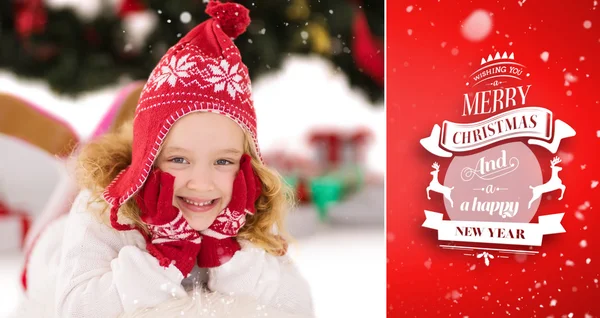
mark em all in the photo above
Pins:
pixel 223 162
pixel 178 160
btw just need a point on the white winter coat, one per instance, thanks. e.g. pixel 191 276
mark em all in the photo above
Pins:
pixel 80 267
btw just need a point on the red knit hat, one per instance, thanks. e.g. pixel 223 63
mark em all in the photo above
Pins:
pixel 203 72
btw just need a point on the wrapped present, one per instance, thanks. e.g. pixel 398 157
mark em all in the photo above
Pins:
pixel 277 160
pixel 300 186
pixel 351 177
pixel 325 191
pixel 335 148
pixel 327 145
pixel 334 187
pixel 14 225
pixel 356 144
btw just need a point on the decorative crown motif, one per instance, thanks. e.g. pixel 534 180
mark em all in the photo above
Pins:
pixel 504 56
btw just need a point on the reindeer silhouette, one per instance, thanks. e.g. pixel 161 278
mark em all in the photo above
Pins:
pixel 553 184
pixel 435 185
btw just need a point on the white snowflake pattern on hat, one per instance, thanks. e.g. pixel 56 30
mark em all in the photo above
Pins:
pixel 225 77
pixel 173 71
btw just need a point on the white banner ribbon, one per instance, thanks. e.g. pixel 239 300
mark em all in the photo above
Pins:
pixel 532 122
pixel 528 234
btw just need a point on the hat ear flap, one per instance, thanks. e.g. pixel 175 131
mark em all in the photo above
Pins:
pixel 114 220
pixel 254 187
pixel 258 186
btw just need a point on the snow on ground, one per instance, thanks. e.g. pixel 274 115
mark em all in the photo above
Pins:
pixel 345 267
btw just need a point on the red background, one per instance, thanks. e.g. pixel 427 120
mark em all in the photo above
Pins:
pixel 425 83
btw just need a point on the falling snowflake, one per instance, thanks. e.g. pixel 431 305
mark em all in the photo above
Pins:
pixel 225 77
pixel 570 78
pixel 566 157
pixel 409 9
pixel 428 263
pixel 544 56
pixel 584 206
pixel 587 24
pixel 583 243
pixel 594 183
pixel 391 236
pixel 569 263
pixel 185 17
pixel 454 295
pixel 477 26
pixel 520 258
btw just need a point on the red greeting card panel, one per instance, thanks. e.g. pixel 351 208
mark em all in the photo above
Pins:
pixel 552 50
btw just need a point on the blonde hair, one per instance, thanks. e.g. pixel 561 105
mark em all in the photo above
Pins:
pixel 100 161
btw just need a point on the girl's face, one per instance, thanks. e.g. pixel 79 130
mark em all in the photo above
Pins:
pixel 202 151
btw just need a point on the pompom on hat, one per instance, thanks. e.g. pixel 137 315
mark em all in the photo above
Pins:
pixel 203 72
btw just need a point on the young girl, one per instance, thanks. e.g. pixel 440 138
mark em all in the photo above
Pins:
pixel 180 199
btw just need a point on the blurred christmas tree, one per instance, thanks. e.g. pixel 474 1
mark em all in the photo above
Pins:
pixel 84 47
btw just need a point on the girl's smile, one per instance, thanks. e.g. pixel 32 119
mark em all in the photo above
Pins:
pixel 196 204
